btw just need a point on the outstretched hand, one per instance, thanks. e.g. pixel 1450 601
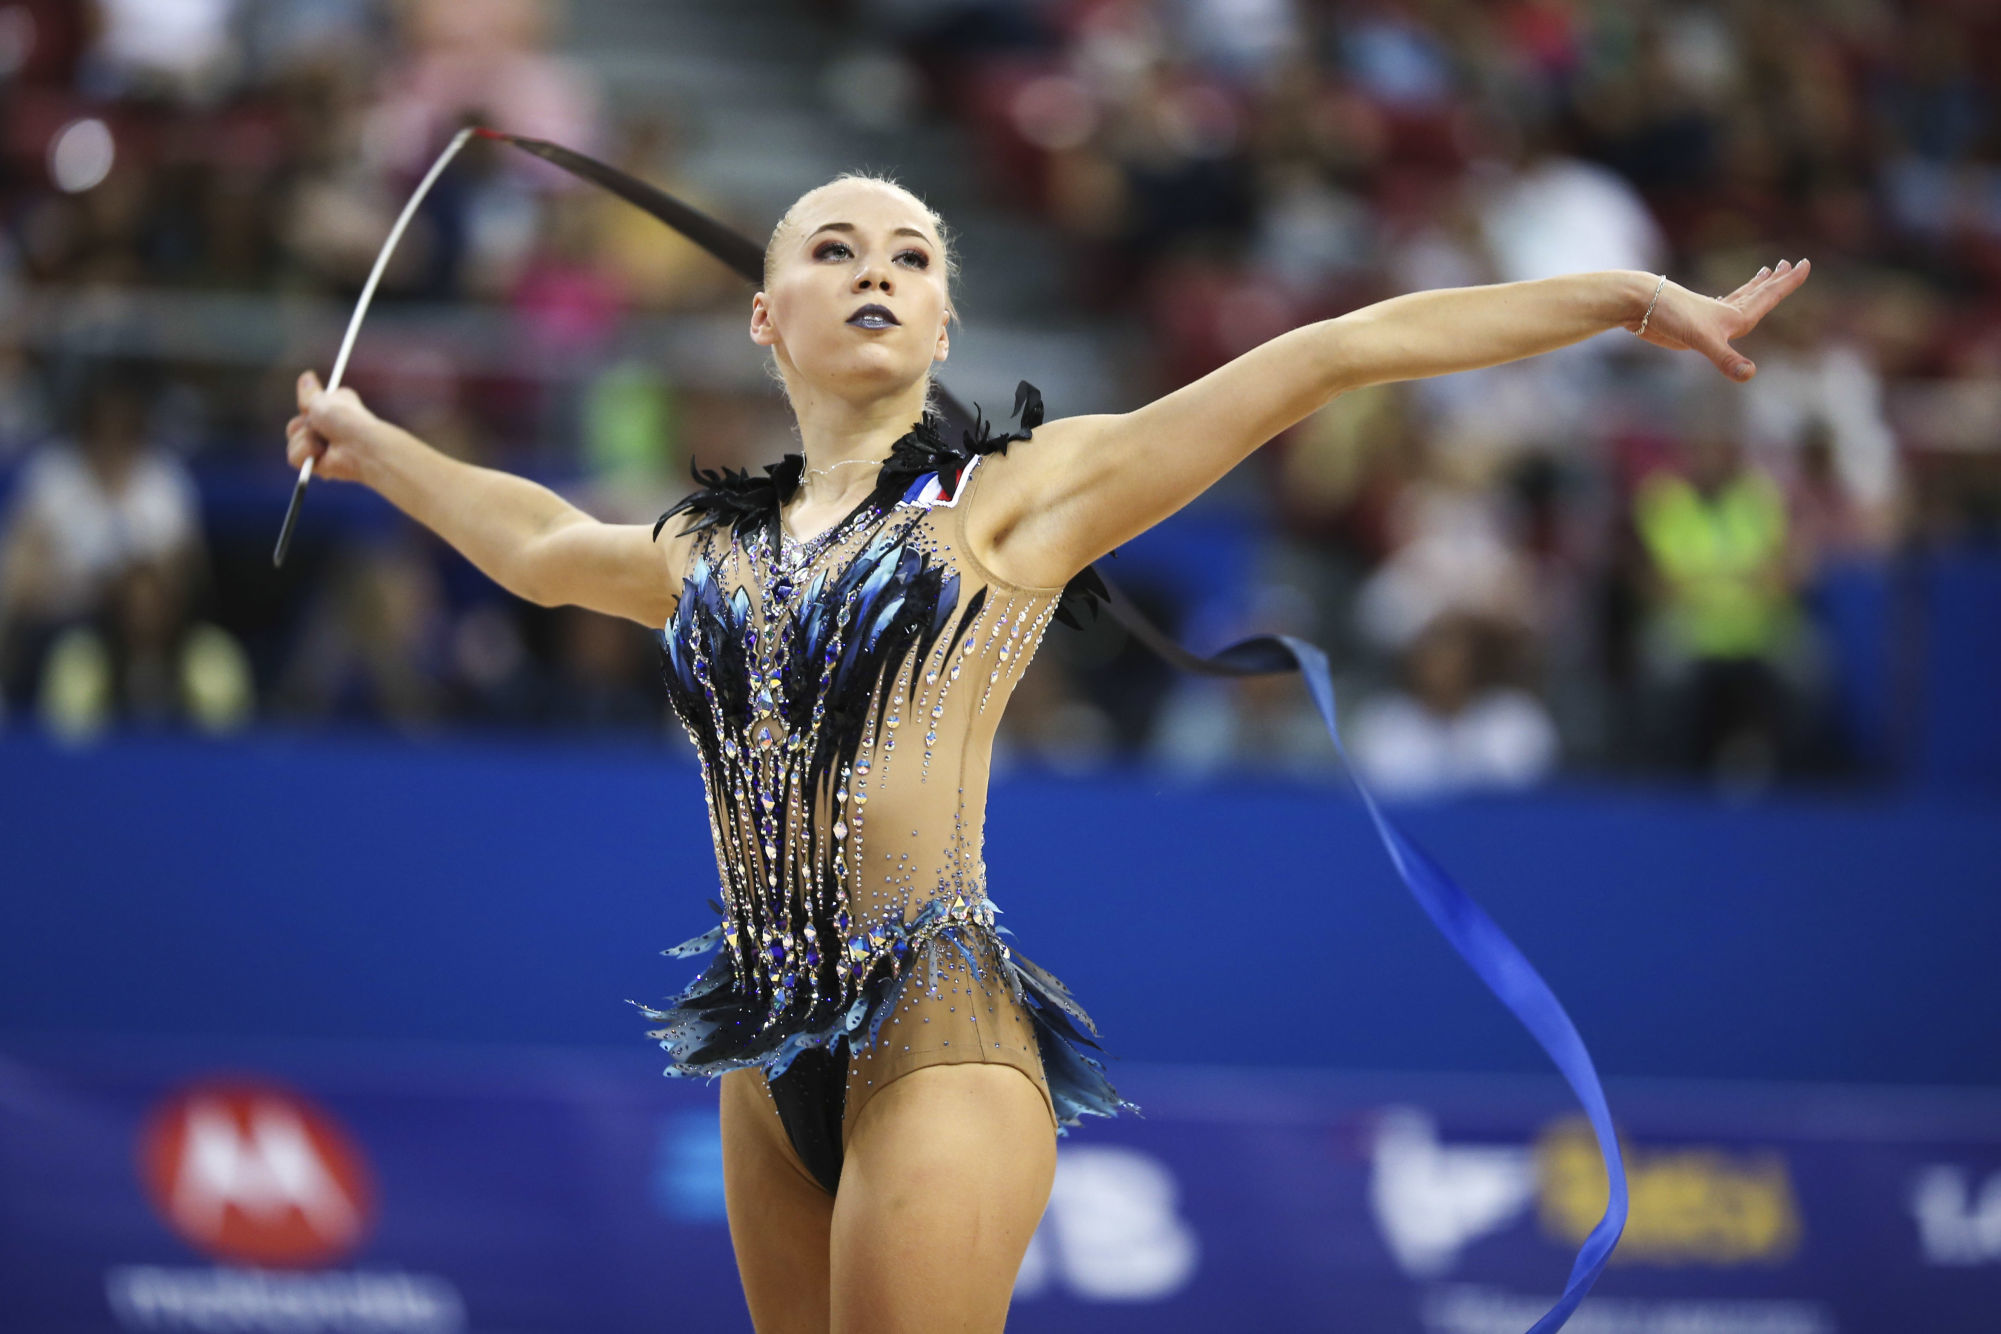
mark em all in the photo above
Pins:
pixel 331 427
pixel 1683 320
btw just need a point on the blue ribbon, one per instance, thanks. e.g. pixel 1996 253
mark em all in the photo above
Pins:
pixel 1505 970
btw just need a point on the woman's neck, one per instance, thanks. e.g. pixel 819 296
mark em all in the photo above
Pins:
pixel 838 436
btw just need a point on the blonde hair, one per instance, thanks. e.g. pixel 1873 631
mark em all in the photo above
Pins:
pixel 946 241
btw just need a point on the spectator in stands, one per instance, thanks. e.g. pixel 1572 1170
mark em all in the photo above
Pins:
pixel 656 269
pixel 1215 171
pixel 495 679
pixel 86 510
pixel 1241 40
pixel 1454 726
pixel 24 403
pixel 1824 392
pixel 145 663
pixel 187 50
pixel 1213 725
pixel 1724 614
pixel 1457 546
pixel 1050 721
pixel 376 646
pixel 604 677
pixel 458 56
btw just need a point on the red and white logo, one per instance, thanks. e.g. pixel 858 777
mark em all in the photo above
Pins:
pixel 256 1174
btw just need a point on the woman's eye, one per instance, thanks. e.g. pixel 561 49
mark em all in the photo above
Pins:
pixel 923 260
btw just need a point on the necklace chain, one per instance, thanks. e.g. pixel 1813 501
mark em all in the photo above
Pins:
pixel 842 464
pixel 792 552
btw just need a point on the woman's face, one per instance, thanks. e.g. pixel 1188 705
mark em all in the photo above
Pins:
pixel 848 246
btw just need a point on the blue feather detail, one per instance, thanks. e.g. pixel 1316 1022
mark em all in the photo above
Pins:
pixel 710 1029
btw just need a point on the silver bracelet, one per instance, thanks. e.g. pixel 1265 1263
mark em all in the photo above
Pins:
pixel 1650 305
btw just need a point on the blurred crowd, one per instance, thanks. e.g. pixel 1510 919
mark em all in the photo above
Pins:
pixel 1604 558
pixel 196 194
pixel 1608 559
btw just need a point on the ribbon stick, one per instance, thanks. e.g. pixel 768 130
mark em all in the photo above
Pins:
pixel 1485 948
pixel 354 326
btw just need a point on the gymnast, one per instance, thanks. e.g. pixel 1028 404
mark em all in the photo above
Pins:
pixel 840 636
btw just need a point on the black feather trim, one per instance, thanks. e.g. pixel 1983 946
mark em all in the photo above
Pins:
pixel 1082 597
pixel 732 496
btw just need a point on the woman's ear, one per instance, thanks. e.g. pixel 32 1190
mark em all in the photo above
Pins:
pixel 762 331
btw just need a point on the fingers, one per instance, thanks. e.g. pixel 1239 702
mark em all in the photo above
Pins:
pixel 1710 329
pixel 1757 281
pixel 1787 275
pixel 1730 361
pixel 1749 285
pixel 1784 281
pixel 302 442
pixel 1769 287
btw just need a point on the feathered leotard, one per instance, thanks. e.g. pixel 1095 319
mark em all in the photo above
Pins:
pixel 843 697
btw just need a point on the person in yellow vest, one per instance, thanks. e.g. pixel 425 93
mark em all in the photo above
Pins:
pixel 1723 608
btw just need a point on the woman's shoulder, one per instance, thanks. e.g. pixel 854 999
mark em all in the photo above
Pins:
pixel 931 448
pixel 1004 500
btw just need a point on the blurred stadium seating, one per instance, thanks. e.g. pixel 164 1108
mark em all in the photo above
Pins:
pixel 1142 191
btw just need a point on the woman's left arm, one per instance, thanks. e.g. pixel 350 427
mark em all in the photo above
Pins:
pixel 1047 513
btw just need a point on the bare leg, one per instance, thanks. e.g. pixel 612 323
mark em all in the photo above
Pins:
pixel 780 1218
pixel 947 1173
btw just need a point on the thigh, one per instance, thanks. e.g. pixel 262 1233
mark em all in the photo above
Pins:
pixel 780 1219
pixel 947 1173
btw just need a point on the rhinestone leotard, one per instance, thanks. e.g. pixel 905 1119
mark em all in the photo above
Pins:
pixel 843 697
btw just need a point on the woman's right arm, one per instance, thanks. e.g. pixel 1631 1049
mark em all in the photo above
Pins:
pixel 520 534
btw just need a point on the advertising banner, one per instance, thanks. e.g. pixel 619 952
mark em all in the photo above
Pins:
pixel 238 1187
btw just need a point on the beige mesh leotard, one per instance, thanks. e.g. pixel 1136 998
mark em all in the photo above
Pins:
pixel 843 698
